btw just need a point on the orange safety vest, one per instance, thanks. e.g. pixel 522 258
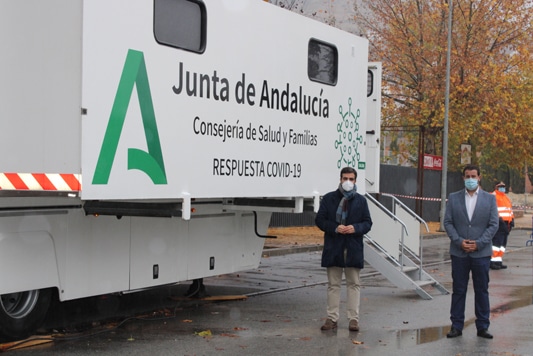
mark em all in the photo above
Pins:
pixel 505 207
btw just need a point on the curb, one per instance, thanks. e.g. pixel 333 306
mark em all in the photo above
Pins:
pixel 280 251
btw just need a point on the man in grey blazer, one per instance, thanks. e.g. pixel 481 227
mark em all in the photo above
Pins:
pixel 471 220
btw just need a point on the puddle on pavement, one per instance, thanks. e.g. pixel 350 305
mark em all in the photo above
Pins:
pixel 522 297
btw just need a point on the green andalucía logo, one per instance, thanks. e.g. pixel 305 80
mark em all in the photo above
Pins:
pixel 151 162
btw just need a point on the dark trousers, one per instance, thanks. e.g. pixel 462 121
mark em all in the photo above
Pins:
pixel 500 239
pixel 461 268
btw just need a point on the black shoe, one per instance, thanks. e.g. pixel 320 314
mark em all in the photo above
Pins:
pixel 454 333
pixel 502 266
pixel 494 265
pixel 484 333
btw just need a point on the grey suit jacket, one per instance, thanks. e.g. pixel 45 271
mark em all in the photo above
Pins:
pixel 481 228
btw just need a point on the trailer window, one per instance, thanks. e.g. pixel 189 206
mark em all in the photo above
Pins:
pixel 322 62
pixel 369 83
pixel 180 24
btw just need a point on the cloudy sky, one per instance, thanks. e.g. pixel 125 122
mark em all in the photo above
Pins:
pixel 338 13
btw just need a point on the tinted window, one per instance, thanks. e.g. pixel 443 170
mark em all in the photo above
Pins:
pixel 369 83
pixel 180 24
pixel 322 62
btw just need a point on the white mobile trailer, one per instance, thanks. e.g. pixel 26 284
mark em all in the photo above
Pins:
pixel 146 143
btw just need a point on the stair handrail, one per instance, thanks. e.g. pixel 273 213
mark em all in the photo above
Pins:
pixel 395 218
pixel 417 217
pixel 382 250
pixel 387 211
pixel 411 212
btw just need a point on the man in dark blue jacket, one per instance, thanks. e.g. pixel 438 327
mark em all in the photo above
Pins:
pixel 344 217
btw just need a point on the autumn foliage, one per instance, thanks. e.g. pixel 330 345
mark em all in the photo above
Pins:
pixel 491 101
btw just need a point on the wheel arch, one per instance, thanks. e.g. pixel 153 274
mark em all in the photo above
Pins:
pixel 28 261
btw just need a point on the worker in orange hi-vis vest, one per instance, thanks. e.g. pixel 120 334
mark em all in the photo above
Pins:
pixel 505 212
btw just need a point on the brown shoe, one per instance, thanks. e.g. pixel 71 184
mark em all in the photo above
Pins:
pixel 354 325
pixel 329 325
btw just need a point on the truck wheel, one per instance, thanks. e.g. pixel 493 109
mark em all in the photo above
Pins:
pixel 22 313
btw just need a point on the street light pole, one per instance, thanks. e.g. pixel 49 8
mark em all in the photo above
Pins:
pixel 445 130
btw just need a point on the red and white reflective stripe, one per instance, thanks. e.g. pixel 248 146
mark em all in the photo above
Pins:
pixel 40 181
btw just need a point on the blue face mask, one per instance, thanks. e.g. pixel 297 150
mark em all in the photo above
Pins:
pixel 501 189
pixel 471 183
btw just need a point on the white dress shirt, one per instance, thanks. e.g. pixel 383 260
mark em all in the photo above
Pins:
pixel 470 201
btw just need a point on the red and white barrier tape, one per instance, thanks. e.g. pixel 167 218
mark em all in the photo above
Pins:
pixel 414 197
pixel 517 207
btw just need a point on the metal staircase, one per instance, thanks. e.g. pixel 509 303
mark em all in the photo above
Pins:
pixel 393 247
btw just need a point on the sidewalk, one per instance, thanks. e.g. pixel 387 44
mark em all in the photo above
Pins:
pixel 524 221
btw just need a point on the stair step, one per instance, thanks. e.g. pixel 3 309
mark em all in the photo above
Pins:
pixel 425 283
pixel 406 277
pixel 407 269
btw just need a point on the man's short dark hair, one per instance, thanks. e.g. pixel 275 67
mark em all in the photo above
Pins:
pixel 348 170
pixel 471 167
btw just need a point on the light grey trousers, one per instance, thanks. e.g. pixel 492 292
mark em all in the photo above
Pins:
pixel 353 292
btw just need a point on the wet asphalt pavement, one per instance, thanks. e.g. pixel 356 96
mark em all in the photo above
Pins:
pixel 284 307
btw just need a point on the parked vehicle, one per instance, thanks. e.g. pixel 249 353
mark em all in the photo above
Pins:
pixel 146 143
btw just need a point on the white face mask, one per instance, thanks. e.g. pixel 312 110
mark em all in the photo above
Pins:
pixel 347 185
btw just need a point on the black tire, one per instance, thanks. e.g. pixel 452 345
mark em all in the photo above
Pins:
pixel 21 314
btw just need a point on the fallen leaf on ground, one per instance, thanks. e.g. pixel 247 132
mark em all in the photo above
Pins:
pixel 357 342
pixel 205 333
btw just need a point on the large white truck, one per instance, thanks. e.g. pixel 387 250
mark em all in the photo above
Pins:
pixel 147 142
